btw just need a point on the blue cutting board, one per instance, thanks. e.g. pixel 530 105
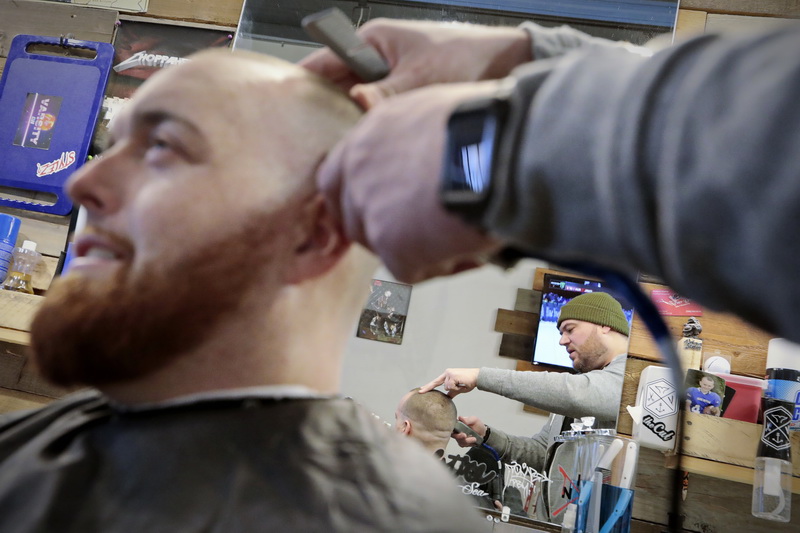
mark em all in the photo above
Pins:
pixel 49 105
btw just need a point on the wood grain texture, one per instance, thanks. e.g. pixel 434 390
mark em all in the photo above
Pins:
pixel 703 436
pixel 633 371
pixel 528 300
pixel 17 309
pixel 516 347
pixel 775 8
pixel 12 400
pixel 690 24
pixel 54 19
pixel 738 474
pixel 516 322
pixel 712 505
pixel 17 373
pixel 220 12
pixel 719 23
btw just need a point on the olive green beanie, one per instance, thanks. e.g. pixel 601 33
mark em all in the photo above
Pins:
pixel 598 308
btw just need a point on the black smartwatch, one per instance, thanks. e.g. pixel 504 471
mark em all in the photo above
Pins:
pixel 482 141
pixel 474 133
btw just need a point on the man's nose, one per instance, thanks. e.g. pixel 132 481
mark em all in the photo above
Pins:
pixel 95 185
pixel 564 340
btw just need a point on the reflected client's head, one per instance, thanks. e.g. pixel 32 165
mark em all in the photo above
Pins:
pixel 429 417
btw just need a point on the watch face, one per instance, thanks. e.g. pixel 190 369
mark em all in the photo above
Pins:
pixel 470 152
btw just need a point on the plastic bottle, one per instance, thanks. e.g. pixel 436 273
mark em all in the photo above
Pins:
pixel 772 494
pixel 25 260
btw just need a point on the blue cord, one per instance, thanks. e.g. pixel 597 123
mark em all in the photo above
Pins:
pixel 628 288
pixel 493 452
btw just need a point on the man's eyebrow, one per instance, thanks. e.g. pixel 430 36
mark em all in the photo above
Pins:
pixel 153 118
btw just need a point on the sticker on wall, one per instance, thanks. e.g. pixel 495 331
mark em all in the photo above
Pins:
pixel 39 115
pixel 670 303
pixel 144 48
pixel 384 315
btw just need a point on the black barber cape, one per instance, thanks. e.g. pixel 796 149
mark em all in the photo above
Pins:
pixel 219 465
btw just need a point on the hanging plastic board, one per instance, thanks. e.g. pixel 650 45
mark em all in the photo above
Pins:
pixel 49 105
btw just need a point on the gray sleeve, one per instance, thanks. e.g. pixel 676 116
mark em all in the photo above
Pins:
pixel 554 42
pixel 685 166
pixel 528 450
pixel 594 393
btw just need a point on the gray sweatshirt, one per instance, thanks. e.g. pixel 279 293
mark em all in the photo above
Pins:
pixel 594 393
pixel 685 165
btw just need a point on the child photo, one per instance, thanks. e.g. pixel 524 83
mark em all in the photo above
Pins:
pixel 704 393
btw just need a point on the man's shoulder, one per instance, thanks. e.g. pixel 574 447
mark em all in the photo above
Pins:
pixel 46 414
pixel 337 454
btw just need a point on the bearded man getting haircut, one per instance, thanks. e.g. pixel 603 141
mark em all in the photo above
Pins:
pixel 213 406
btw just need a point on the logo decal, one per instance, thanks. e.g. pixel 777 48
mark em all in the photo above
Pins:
pixel 146 59
pixel 776 428
pixel 66 160
pixel 660 398
pixel 38 120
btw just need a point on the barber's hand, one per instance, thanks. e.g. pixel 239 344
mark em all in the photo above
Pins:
pixel 475 423
pixel 455 381
pixel 382 182
pixel 421 53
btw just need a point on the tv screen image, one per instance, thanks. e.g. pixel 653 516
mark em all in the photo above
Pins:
pixel 557 290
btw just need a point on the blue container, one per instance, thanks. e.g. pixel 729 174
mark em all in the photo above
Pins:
pixel 9 230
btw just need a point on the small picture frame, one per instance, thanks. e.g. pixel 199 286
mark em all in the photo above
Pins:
pixel 705 393
pixel 384 316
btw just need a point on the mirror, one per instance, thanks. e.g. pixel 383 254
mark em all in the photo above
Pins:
pixel 450 322
pixel 274 27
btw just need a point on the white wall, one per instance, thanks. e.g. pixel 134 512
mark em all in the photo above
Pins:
pixel 450 324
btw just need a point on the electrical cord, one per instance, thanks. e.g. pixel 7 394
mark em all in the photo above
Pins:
pixel 647 310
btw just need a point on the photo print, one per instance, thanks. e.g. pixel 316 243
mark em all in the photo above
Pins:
pixel 704 393
pixel 384 315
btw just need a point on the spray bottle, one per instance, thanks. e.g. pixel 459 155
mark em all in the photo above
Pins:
pixel 772 486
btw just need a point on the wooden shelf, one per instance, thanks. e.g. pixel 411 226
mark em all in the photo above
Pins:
pixel 715 469
pixel 16 313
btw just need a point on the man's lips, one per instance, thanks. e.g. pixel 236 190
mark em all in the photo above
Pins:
pixel 96 253
pixel 98 246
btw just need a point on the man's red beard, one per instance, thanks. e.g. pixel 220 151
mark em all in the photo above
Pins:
pixel 591 353
pixel 96 332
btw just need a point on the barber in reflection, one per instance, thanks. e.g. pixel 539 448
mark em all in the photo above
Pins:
pixel 594 331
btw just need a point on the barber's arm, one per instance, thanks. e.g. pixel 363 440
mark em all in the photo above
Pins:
pixel 594 393
pixel 677 166
pixel 651 165
pixel 421 53
pixel 528 450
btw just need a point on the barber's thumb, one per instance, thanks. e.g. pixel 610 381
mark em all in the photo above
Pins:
pixel 368 95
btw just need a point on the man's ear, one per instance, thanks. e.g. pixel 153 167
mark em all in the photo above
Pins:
pixel 406 429
pixel 323 245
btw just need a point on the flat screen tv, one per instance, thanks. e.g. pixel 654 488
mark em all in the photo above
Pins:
pixel 556 291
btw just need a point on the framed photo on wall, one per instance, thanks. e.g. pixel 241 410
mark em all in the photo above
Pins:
pixel 384 315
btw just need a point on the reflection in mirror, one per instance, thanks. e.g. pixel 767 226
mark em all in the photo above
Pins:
pixel 452 322
pixel 274 27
